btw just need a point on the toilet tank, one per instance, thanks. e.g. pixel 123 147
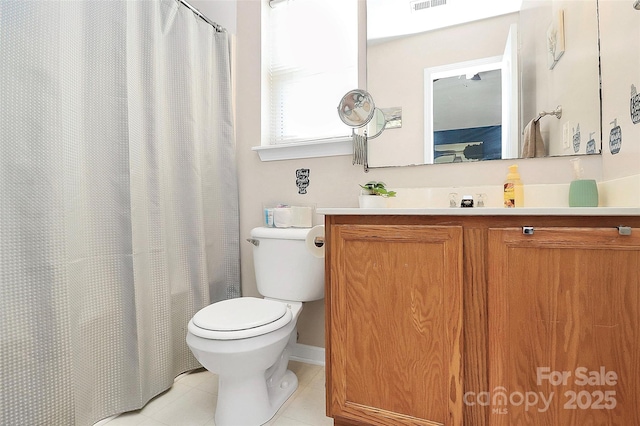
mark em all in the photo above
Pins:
pixel 285 268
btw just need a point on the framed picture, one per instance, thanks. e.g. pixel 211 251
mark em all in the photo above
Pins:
pixel 555 40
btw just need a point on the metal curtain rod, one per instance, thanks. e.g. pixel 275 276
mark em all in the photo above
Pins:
pixel 218 28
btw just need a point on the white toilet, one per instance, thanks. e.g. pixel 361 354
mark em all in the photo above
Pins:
pixel 245 341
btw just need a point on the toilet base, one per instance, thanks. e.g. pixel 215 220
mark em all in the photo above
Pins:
pixel 253 379
pixel 248 401
pixel 279 394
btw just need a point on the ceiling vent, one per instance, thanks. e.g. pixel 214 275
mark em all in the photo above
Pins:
pixel 419 5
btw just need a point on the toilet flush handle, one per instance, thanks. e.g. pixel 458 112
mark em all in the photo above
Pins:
pixel 254 241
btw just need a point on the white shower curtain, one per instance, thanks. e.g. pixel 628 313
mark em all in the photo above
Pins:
pixel 118 202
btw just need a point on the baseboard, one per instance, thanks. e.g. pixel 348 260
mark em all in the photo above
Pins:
pixel 307 354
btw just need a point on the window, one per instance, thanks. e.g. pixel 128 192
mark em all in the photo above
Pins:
pixel 310 60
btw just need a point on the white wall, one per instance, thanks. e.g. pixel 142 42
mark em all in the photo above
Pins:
pixel 222 12
pixel 620 57
pixel 334 181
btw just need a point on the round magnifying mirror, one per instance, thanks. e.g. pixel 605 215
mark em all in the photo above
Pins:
pixel 377 124
pixel 356 108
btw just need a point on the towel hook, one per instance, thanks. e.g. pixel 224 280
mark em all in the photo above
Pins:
pixel 557 112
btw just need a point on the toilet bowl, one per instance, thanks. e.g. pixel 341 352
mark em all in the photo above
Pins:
pixel 247 341
pixel 252 371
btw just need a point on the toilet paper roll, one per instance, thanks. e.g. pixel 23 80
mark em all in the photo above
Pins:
pixel 301 217
pixel 315 241
pixel 282 217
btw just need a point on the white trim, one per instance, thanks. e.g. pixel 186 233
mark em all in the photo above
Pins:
pixel 307 354
pixel 312 149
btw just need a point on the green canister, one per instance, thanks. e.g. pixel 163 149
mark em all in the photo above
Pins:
pixel 583 193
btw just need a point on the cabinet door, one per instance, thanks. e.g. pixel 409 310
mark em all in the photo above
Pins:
pixel 396 324
pixel 564 327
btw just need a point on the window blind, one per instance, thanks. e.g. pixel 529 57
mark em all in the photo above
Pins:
pixel 312 62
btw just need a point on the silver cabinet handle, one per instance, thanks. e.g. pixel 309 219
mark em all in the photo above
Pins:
pixel 624 230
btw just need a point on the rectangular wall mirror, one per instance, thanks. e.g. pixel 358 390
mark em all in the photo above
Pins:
pixel 470 80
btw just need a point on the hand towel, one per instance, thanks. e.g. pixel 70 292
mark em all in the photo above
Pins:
pixel 533 145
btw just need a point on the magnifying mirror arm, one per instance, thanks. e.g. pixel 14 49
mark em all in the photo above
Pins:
pixel 360 149
pixel 365 160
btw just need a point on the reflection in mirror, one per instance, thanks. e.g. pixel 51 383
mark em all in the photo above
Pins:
pixel 356 108
pixel 568 79
pixel 396 75
pixel 472 133
pixel 377 124
pixel 465 112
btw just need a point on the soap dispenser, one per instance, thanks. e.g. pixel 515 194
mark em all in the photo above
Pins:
pixel 513 189
pixel 582 192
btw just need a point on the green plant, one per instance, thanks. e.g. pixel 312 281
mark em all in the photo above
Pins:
pixel 377 188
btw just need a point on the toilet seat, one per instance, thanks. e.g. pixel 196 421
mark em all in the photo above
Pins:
pixel 239 318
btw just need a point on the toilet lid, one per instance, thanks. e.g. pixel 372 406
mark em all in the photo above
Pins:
pixel 240 318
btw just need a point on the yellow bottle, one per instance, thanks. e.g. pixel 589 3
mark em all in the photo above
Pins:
pixel 513 189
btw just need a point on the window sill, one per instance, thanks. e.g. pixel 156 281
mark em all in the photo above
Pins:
pixel 311 149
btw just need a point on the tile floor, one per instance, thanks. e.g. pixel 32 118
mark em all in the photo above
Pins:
pixel 192 400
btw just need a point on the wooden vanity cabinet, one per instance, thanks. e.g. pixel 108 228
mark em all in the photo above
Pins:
pixel 564 326
pixel 428 316
pixel 396 323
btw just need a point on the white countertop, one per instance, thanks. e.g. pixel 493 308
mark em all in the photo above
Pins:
pixel 487 211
